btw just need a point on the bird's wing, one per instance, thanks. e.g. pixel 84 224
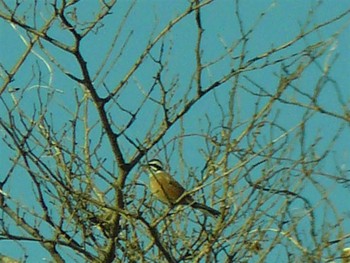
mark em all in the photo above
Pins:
pixel 175 184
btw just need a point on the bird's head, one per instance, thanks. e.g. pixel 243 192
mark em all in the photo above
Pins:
pixel 154 165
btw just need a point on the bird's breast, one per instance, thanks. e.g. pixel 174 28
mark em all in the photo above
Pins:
pixel 163 189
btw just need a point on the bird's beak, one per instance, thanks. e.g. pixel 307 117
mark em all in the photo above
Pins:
pixel 144 166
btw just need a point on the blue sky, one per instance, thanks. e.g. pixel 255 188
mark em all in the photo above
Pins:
pixel 281 22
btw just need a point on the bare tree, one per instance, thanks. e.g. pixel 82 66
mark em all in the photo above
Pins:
pixel 86 99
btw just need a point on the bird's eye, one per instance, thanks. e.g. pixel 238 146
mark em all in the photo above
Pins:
pixel 156 166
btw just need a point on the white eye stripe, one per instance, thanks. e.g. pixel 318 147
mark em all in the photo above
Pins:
pixel 155 165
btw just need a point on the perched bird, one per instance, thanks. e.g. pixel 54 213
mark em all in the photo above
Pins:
pixel 165 188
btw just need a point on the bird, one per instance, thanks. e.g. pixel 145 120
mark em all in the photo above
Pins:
pixel 167 190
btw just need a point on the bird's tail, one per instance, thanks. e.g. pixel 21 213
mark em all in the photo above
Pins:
pixel 206 209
